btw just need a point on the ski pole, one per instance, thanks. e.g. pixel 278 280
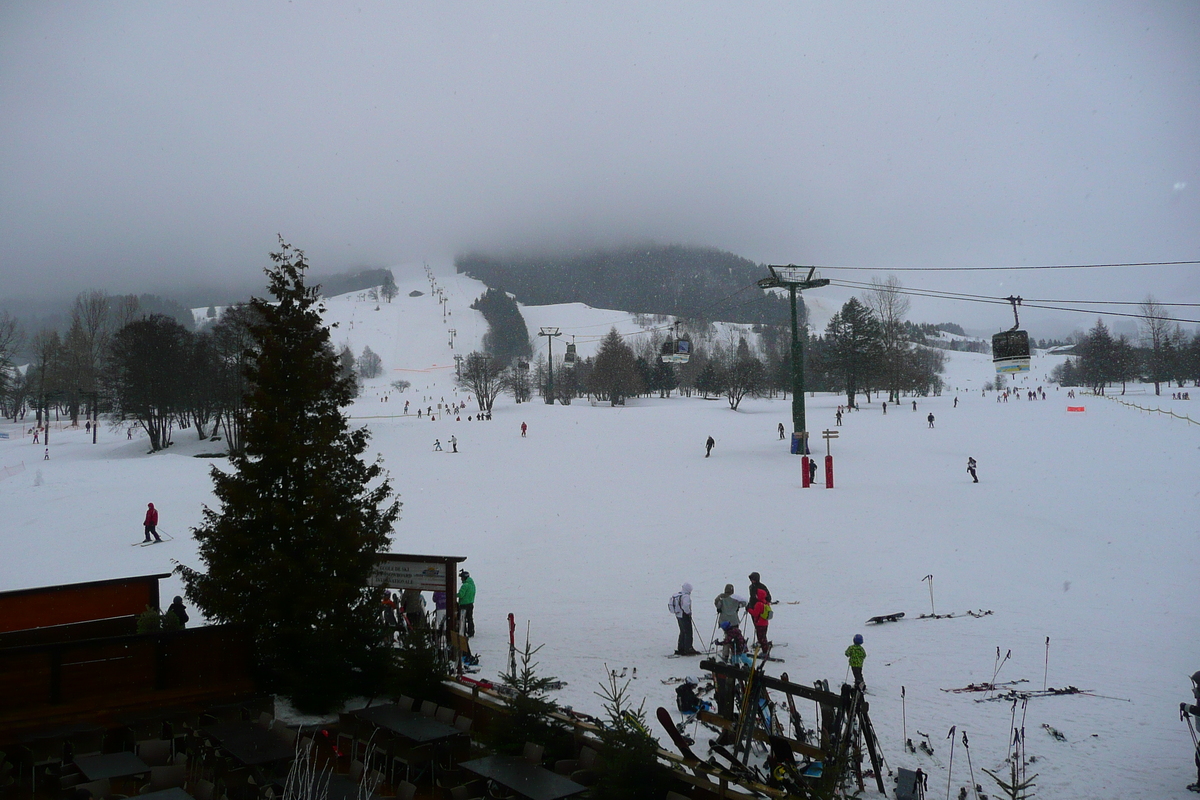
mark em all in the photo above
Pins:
pixel 950 770
pixel 970 766
pixel 903 718
pixel 707 647
pixel 932 610
pixel 1046 673
pixel 999 666
pixel 712 637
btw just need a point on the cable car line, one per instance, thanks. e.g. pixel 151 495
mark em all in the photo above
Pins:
pixel 1028 267
pixel 936 292
pixel 1002 301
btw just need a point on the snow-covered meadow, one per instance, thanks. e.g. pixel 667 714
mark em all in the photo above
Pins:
pixel 1082 529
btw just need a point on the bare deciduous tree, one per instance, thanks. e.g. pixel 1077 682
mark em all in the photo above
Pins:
pixel 890 307
pixel 1156 333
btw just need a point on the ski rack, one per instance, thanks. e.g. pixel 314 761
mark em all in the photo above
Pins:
pixel 845 722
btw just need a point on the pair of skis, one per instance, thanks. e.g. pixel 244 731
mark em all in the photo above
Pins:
pixel 166 537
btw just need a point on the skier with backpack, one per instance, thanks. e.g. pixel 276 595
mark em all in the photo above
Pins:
pixel 761 614
pixel 680 605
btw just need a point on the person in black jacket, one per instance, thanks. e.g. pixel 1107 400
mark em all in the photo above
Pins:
pixel 755 585
pixel 179 611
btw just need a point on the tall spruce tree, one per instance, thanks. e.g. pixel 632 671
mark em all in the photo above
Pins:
pixel 301 516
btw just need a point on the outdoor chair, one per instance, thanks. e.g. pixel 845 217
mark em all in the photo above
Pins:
pixel 289 735
pixel 87 744
pixel 405 703
pixel 406 791
pixel 429 708
pixel 445 715
pixel 409 758
pixel 155 752
pixel 348 730
pixel 204 790
pixel 42 754
pixel 533 753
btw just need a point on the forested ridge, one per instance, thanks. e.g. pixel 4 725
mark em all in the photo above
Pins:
pixel 675 280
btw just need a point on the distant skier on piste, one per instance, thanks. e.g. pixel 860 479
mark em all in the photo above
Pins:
pixel 781 431
pixel 151 523
pixel 971 469
pixel 930 418
pixel 708 446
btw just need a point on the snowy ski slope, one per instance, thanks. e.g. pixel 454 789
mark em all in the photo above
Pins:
pixel 1082 529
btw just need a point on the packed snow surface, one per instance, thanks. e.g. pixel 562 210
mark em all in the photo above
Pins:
pixel 1081 529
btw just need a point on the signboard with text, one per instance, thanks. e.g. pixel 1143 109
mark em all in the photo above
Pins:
pixel 429 576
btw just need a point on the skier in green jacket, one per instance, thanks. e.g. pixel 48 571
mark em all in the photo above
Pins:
pixel 466 603
pixel 857 656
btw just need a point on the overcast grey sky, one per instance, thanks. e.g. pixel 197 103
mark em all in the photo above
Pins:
pixel 151 145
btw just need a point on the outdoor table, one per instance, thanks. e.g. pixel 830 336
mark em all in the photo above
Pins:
pixel 174 793
pixel 111 765
pixel 249 743
pixel 414 726
pixel 523 777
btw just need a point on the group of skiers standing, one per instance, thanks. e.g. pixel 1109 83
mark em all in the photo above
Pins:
pixel 406 612
pixel 728 606
pixel 758 608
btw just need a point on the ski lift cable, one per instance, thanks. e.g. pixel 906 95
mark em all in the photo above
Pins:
pixel 1025 267
pixel 863 285
pixel 1024 303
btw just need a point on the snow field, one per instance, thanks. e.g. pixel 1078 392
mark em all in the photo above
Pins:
pixel 1082 529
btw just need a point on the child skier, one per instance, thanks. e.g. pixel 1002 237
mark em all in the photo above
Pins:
pixel 857 656
pixel 733 649
pixel 686 699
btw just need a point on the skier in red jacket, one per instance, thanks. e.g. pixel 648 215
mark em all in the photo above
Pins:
pixel 760 614
pixel 151 522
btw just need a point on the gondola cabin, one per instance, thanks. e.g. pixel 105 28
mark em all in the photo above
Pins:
pixel 676 351
pixel 570 358
pixel 1010 352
